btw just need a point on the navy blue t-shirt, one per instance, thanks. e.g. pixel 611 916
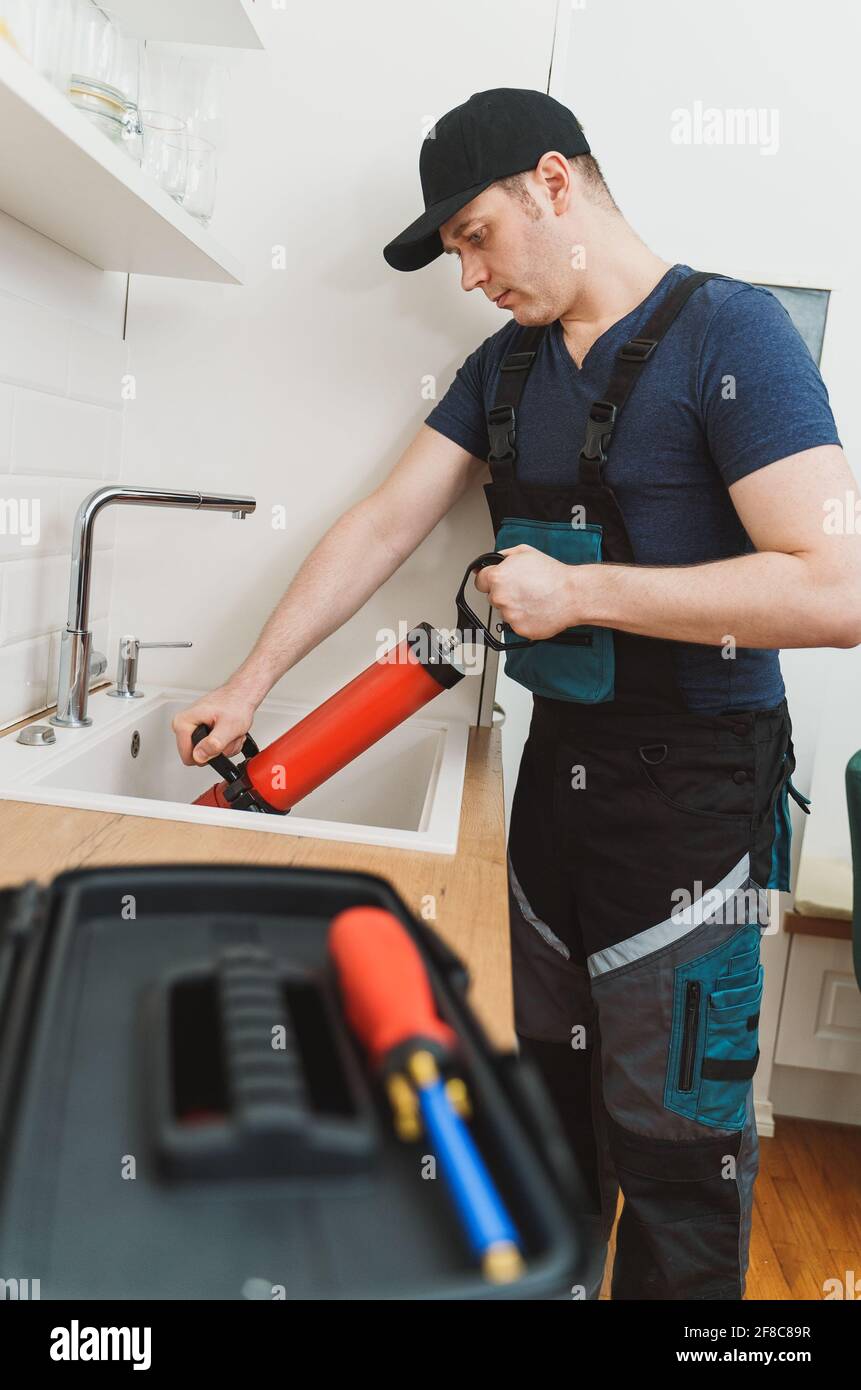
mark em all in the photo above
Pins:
pixel 685 434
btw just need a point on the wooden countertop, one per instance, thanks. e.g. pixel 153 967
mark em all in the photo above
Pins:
pixel 469 888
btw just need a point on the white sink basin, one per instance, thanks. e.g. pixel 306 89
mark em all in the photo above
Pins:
pixel 404 792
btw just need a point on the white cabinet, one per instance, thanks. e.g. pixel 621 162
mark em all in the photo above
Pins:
pixel 228 23
pixel 63 178
pixel 820 1018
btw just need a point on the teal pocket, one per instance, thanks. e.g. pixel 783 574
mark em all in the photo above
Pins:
pixel 713 1048
pixel 747 977
pixel 730 1055
pixel 740 965
pixel 581 671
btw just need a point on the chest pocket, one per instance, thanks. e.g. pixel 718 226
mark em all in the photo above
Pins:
pixel 580 668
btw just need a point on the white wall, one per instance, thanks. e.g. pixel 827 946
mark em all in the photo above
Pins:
pixel 304 387
pixel 62 357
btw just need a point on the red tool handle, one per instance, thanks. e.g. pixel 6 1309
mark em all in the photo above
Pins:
pixel 383 696
pixel 386 693
pixel 386 990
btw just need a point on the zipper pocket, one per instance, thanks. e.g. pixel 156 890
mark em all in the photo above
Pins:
pixel 572 639
pixel 689 1036
pixel 566 639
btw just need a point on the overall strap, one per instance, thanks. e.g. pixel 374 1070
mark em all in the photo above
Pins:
pixel 604 414
pixel 501 420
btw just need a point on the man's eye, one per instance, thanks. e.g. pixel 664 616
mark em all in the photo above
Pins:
pixel 477 237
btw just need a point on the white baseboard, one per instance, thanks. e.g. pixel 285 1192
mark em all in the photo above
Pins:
pixel 764 1111
pixel 806 1093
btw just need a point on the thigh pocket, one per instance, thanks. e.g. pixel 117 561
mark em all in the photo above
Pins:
pixel 718 782
pixel 730 1054
pixel 714 1038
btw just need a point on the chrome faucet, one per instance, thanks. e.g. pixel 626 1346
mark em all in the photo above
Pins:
pixel 74 677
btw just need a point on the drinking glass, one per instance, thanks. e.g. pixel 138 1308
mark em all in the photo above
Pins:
pixel 203 86
pixel 164 156
pixel 191 84
pixel 200 176
pixel 160 78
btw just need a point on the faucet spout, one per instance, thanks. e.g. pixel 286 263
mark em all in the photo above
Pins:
pixel 76 641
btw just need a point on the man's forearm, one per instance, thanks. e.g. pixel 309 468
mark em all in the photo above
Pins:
pixel 336 578
pixel 762 600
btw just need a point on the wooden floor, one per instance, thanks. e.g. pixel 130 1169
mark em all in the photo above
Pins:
pixel 807 1212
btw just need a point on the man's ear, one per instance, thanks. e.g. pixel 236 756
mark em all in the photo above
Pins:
pixel 554 172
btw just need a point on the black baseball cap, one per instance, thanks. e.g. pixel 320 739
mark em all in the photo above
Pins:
pixel 492 135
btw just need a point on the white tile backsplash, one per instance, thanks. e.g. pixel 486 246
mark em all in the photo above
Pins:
pixel 54 435
pixel 34 345
pixel 61 437
pixel 116 430
pixel 23 679
pixel 37 515
pixel 7 397
pixel 35 597
pixel 97 362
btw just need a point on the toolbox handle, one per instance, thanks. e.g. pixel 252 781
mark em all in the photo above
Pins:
pixel 227 1103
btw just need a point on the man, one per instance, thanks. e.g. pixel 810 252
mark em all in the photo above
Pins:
pixel 662 452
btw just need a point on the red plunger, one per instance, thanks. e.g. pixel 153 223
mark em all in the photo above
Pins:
pixel 385 694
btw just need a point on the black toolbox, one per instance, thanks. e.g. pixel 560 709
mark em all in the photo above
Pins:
pixel 153 1146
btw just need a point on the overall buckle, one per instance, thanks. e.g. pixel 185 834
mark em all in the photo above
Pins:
pixel 517 361
pixel 500 428
pixel 598 430
pixel 638 349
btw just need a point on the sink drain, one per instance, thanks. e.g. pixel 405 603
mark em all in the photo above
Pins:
pixel 136 743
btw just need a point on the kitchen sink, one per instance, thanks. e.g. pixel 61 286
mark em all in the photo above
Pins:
pixel 403 792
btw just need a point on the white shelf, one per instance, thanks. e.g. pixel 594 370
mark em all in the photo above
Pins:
pixel 64 178
pixel 226 23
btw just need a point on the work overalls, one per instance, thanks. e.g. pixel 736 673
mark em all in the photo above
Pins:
pixel 642 838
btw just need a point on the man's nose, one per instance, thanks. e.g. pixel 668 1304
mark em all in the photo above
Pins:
pixel 472 273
